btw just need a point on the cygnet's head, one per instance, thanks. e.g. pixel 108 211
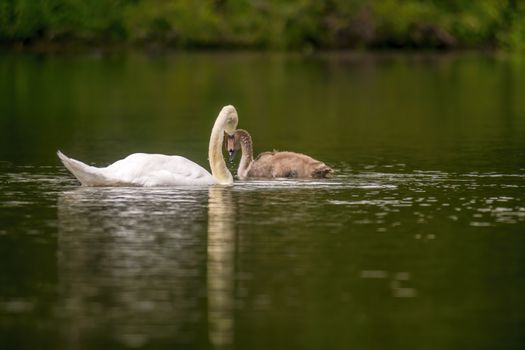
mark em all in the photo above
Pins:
pixel 229 115
pixel 232 144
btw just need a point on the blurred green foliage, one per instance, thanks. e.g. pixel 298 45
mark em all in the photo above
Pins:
pixel 274 24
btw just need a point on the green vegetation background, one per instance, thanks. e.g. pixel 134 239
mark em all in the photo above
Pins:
pixel 267 24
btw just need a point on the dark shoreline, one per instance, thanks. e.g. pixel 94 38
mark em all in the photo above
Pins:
pixel 72 47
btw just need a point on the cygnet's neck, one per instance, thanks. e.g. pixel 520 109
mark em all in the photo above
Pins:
pixel 247 152
pixel 217 164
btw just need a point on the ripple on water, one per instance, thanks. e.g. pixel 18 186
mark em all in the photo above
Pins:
pixel 375 202
pixel 350 183
pixel 480 199
pixel 462 198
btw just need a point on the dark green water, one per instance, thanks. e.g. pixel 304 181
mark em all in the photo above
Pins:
pixel 417 242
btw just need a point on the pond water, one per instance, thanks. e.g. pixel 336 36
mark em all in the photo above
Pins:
pixel 417 241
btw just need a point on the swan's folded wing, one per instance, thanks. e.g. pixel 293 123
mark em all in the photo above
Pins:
pixel 159 170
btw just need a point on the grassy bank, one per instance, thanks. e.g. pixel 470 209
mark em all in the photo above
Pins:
pixel 266 24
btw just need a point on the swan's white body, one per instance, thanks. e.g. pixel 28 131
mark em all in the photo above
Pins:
pixel 141 169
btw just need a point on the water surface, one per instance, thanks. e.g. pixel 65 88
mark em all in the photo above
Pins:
pixel 417 241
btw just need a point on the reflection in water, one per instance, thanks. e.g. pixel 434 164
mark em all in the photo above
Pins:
pixel 221 250
pixel 251 265
pixel 130 264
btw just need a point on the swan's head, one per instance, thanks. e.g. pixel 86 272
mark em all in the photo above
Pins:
pixel 230 119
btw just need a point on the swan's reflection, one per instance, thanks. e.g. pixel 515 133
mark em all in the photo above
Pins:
pixel 132 265
pixel 221 245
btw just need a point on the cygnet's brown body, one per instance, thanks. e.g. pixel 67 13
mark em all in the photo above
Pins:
pixel 273 164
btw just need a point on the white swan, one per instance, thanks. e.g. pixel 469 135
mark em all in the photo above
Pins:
pixel 141 169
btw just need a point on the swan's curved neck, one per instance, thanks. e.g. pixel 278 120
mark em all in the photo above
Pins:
pixel 217 164
pixel 247 152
